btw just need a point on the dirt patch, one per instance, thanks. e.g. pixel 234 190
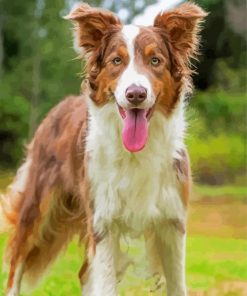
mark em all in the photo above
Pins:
pixel 221 217
pixel 230 288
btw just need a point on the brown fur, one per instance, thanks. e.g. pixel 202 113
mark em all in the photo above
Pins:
pixel 182 26
pixel 92 23
pixel 155 44
pixel 182 167
pixel 96 30
pixel 50 210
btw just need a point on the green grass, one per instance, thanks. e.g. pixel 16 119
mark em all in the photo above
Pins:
pixel 213 260
pixel 210 261
pixel 214 191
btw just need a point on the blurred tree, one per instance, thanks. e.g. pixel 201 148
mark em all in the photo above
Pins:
pixel 13 129
pixel 37 65
pixel 127 9
pixel 15 76
pixel 1 44
pixel 223 38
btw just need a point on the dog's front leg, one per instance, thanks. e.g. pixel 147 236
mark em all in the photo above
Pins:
pixel 170 244
pixel 102 276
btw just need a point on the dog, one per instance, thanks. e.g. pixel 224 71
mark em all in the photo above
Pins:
pixel 111 161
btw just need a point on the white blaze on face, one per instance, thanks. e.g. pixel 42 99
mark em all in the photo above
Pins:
pixel 131 75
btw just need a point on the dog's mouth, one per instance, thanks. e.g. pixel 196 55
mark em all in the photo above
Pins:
pixel 135 127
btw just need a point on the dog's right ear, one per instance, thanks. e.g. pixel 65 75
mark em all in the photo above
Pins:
pixel 91 24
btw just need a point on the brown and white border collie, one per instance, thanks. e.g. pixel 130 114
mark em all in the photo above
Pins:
pixel 113 160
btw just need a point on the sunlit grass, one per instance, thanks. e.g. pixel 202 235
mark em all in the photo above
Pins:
pixel 214 191
pixel 212 260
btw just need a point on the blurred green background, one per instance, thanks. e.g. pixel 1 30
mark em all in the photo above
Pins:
pixel 38 69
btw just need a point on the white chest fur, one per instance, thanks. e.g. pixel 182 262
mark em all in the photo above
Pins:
pixel 134 189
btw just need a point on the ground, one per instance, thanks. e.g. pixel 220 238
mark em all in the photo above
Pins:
pixel 216 251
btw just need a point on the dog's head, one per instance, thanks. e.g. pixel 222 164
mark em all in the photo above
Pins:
pixel 141 68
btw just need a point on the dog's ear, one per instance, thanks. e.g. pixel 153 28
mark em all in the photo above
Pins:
pixel 182 25
pixel 91 24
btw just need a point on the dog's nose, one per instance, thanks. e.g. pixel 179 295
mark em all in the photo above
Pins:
pixel 136 94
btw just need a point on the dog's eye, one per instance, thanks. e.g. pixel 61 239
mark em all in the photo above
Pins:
pixel 117 61
pixel 155 61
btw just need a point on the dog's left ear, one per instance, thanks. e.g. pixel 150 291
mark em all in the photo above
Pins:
pixel 182 26
pixel 91 24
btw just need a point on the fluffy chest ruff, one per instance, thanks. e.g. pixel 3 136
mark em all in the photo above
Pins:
pixel 134 190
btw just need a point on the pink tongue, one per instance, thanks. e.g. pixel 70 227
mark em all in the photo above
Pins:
pixel 135 130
